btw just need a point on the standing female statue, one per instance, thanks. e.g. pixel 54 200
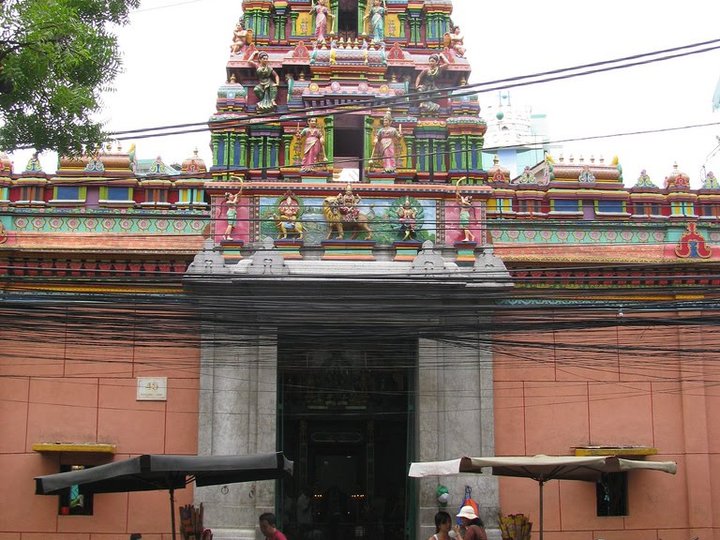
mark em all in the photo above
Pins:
pixel 384 144
pixel 427 81
pixel 314 147
pixel 465 204
pixel 231 202
pixel 376 16
pixel 323 16
pixel 268 81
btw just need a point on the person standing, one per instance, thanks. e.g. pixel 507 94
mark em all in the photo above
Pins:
pixel 443 527
pixel 268 527
pixel 472 526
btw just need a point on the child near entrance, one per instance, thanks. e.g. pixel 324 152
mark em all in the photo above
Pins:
pixel 268 527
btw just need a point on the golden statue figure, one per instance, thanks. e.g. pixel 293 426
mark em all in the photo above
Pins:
pixel 287 217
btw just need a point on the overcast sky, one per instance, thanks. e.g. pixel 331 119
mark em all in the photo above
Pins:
pixel 175 54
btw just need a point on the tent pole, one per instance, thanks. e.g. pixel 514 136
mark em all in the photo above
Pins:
pixel 172 512
pixel 541 508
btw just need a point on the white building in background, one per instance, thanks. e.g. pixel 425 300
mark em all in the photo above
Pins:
pixel 516 135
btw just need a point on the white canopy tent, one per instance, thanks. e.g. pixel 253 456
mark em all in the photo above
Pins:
pixel 540 468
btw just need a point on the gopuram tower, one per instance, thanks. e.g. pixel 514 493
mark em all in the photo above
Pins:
pixel 348 250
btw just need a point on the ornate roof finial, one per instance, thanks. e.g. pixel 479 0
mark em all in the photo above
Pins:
pixel 677 180
pixel 586 176
pixel 710 181
pixel 644 180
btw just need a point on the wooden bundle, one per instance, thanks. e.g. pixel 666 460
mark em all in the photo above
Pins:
pixel 515 527
pixel 191 522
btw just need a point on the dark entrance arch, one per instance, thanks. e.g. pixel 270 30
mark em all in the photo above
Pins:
pixel 345 418
pixel 348 19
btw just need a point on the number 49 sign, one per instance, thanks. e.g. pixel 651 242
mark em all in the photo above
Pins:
pixel 152 388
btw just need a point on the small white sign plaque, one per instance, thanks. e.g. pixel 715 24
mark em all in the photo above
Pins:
pixel 152 388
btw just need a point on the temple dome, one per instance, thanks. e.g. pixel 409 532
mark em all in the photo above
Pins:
pixel 6 164
pixel 497 173
pixel 194 164
pixel 677 180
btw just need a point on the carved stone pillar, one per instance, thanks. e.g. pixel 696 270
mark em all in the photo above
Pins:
pixel 238 400
pixel 455 418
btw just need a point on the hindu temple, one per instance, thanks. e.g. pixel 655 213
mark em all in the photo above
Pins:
pixel 350 282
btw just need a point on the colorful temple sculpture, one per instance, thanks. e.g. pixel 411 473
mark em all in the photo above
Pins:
pixel 349 282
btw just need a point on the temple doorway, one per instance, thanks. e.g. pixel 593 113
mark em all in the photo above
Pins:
pixel 348 19
pixel 348 147
pixel 345 417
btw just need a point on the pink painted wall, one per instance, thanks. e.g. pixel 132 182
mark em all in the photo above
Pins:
pixel 632 384
pixel 58 390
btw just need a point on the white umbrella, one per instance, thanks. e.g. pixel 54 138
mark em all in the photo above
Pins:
pixel 540 468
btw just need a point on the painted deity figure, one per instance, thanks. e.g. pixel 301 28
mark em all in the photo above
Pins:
pixel 288 213
pixel 242 37
pixel 231 201
pixel 313 147
pixel 376 17
pixel 348 205
pixel 323 18
pixel 426 81
pixel 267 88
pixel 457 41
pixel 407 216
pixel 464 217
pixel 384 144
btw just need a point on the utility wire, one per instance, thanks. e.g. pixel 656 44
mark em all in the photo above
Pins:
pixel 464 90
pixel 222 170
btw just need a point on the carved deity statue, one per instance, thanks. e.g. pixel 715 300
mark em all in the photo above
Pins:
pixel 323 19
pixel 426 81
pixel 384 143
pixel 313 147
pixel 242 38
pixel 455 42
pixel 231 202
pixel 407 217
pixel 268 81
pixel 342 213
pixel 287 217
pixel 375 20
pixel 464 217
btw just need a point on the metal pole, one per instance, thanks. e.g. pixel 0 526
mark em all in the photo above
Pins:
pixel 172 512
pixel 542 483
